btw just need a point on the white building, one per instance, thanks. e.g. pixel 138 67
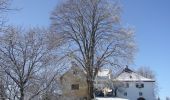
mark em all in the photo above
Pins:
pixel 132 86
pixel 137 87
pixel 103 77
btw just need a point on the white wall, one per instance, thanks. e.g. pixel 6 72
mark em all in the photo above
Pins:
pixel 133 92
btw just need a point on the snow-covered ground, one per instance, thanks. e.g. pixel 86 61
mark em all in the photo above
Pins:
pixel 110 98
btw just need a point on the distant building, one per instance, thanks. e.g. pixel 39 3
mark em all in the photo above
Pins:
pixel 103 78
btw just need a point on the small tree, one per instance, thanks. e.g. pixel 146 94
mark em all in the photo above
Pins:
pixel 159 98
pixel 148 73
pixel 167 98
pixel 94 37
pixel 117 86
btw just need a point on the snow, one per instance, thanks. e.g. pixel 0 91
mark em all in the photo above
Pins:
pixel 111 98
pixel 131 76
pixel 104 72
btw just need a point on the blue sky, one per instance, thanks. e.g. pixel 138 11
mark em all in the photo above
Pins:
pixel 149 18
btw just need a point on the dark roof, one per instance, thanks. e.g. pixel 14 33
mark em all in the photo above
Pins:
pixel 126 69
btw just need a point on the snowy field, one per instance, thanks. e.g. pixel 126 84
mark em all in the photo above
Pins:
pixel 109 98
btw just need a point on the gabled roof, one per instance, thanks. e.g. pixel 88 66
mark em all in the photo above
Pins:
pixel 73 70
pixel 129 75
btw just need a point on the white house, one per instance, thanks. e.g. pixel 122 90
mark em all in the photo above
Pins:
pixel 103 77
pixel 133 86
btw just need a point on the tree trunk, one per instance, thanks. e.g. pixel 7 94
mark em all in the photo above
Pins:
pixel 115 92
pixel 90 89
pixel 2 92
pixel 21 93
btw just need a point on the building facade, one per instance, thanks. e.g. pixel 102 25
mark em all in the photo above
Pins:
pixel 127 84
pixel 103 78
pixel 136 87
pixel 74 86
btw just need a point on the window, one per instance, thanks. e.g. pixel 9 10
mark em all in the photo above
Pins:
pixel 140 93
pixel 127 85
pixel 75 87
pixel 125 93
pixel 139 85
pixel 75 72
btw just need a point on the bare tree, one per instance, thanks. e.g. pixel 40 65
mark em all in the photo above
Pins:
pixel 23 55
pixel 167 98
pixel 117 86
pixel 2 86
pixel 9 90
pixel 45 85
pixel 148 73
pixel 158 98
pixel 4 7
pixel 52 93
pixel 93 35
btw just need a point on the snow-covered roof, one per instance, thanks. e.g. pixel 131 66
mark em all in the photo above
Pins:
pixel 103 72
pixel 129 75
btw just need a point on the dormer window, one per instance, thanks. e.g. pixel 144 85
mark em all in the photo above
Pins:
pixel 130 76
pixel 139 85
